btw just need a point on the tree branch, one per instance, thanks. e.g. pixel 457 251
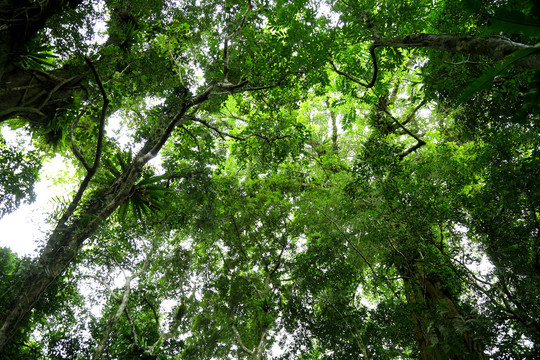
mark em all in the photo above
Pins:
pixel 222 134
pixel 412 149
pixel 76 150
pixel 240 342
pixel 226 53
pixel 419 142
pixel 278 262
pixel 415 110
pixel 261 344
pixel 495 49
pixel 236 88
pixel 375 70
pixel 98 352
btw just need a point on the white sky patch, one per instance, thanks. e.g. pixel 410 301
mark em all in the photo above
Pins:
pixel 25 227
pixel 326 11
pixel 425 112
pixel 21 229
pixel 117 129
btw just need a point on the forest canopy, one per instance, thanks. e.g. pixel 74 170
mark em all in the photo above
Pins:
pixel 308 179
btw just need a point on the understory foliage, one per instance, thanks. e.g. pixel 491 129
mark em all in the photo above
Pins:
pixel 273 179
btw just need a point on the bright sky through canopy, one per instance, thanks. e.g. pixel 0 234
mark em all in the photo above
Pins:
pixel 21 229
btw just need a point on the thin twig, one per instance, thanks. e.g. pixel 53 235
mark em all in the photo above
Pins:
pixel 222 134
pixel 76 150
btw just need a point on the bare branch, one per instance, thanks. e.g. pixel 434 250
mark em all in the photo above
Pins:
pixel 226 57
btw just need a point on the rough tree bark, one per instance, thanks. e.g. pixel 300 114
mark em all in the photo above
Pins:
pixel 35 95
pixel 425 296
pixel 31 94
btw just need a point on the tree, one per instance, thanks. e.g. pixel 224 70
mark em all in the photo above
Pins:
pixel 332 151
pixel 74 228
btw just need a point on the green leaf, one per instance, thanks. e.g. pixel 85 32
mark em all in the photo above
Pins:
pixel 485 81
pixel 515 22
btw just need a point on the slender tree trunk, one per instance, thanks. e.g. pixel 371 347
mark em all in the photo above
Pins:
pixel 98 352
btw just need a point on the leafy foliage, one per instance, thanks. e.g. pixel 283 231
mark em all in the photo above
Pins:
pixel 19 171
pixel 300 180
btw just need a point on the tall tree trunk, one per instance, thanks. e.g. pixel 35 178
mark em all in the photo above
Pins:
pixel 430 305
pixel 68 237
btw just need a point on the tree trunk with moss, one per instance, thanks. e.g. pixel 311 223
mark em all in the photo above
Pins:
pixel 440 329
